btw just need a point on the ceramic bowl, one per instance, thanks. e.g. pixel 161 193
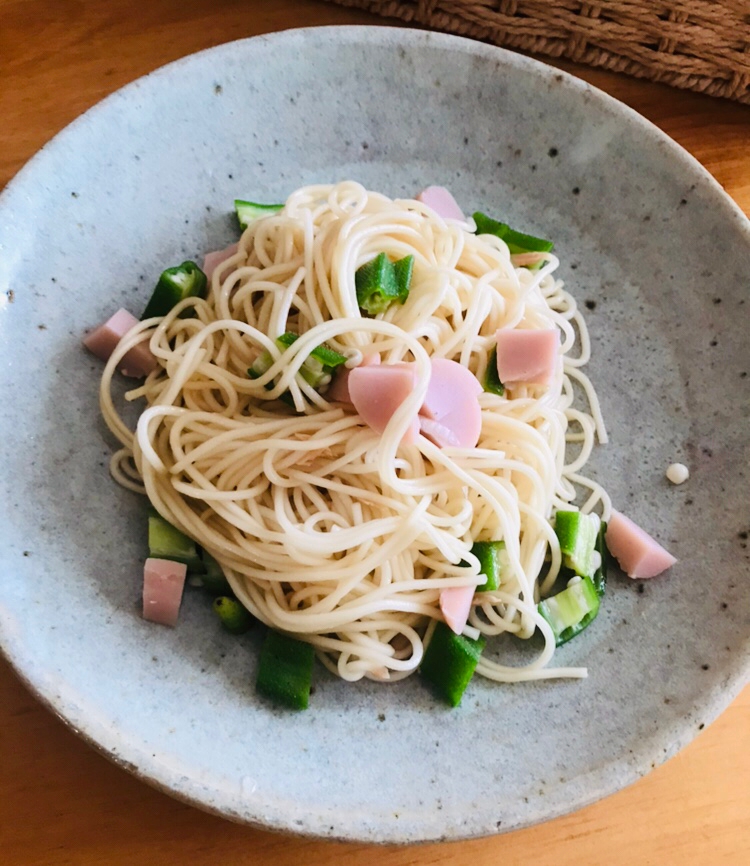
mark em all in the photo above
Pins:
pixel 657 256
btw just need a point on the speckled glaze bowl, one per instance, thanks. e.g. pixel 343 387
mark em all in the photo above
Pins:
pixel 656 254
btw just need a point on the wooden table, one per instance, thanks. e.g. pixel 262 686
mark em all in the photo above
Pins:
pixel 60 802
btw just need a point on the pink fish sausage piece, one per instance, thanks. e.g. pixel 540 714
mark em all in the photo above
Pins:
pixel 338 391
pixel 102 341
pixel 211 261
pixel 639 555
pixel 138 362
pixel 527 355
pixel 378 390
pixel 450 384
pixel 455 603
pixel 451 404
pixel 438 433
pixel 521 259
pixel 442 202
pixel 163 584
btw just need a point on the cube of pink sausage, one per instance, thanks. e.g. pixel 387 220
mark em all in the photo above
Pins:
pixel 102 341
pixel 527 355
pixel 211 261
pixel 639 555
pixel 163 585
pixel 338 390
pixel 455 603
pixel 451 405
pixel 441 434
pixel 451 384
pixel 377 392
pixel 442 202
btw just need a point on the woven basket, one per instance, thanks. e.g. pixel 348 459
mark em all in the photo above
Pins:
pixel 694 44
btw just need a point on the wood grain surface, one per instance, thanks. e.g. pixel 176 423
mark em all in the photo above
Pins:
pixel 62 803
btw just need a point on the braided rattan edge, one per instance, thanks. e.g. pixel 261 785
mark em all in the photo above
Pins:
pixel 706 49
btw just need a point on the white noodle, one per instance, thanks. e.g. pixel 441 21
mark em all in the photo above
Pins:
pixel 324 528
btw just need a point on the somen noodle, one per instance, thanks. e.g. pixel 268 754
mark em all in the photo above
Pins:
pixel 325 528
